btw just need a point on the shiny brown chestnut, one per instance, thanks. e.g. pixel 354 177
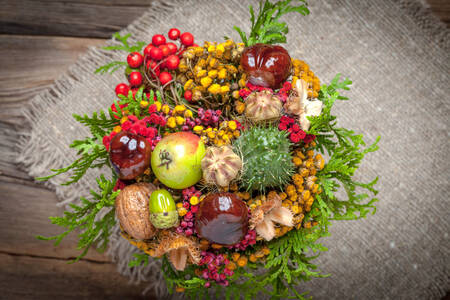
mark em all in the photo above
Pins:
pixel 266 65
pixel 129 154
pixel 222 218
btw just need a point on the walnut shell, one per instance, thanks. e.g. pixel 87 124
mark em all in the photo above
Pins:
pixel 133 212
pixel 262 106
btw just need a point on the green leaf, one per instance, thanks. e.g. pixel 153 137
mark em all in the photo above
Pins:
pixel 267 28
pixel 140 259
pixel 84 218
pixel 122 46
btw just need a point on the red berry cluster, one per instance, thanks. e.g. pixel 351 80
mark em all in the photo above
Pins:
pixel 158 59
pixel 215 268
pixel 283 93
pixel 208 117
pixel 248 240
pixel 252 88
pixel 142 127
pixel 162 55
pixel 187 223
pixel 119 185
pixel 296 134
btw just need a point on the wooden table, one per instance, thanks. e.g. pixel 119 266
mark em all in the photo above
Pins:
pixel 39 39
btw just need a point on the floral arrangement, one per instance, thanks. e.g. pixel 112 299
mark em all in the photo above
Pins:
pixel 217 159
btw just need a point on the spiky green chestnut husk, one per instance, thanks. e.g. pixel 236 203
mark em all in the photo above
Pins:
pixel 267 158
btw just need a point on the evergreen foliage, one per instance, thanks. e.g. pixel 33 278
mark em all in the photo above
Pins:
pixel 122 46
pixel 95 230
pixel 267 28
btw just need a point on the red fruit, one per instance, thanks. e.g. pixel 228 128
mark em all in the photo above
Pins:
pixel 156 53
pixel 187 39
pixel 147 49
pixel 172 47
pixel 188 95
pixel 165 77
pixel 173 34
pixel 135 59
pixel 165 50
pixel 172 62
pixel 129 154
pixel 135 78
pixel 152 65
pixel 158 40
pixel 122 89
pixel 222 218
pixel 266 65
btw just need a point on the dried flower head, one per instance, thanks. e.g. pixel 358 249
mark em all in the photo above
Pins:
pixel 300 106
pixel 270 212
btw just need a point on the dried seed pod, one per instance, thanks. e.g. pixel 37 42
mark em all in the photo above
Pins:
pixel 262 106
pixel 220 165
pixel 133 212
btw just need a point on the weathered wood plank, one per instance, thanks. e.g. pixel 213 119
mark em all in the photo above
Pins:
pixel 23 277
pixel 24 211
pixel 68 18
pixel 30 64
pixel 441 8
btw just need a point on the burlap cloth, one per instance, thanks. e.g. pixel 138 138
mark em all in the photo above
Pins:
pixel 398 58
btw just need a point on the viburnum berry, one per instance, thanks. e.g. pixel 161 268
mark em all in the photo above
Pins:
pixel 165 77
pixel 165 50
pixel 135 59
pixel 147 49
pixel 156 53
pixel 122 89
pixel 187 38
pixel 152 65
pixel 158 40
pixel 188 95
pixel 172 47
pixel 135 78
pixel 174 34
pixel 172 62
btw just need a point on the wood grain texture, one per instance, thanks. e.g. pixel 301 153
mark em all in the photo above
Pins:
pixel 441 8
pixel 23 277
pixel 68 18
pixel 30 64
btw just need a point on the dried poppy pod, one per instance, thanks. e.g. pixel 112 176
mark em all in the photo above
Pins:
pixel 132 210
pixel 262 106
pixel 220 165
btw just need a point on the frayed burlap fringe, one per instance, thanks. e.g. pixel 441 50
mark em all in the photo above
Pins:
pixel 396 53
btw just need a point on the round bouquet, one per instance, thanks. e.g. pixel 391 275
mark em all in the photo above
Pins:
pixel 223 160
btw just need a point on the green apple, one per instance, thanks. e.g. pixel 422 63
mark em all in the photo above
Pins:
pixel 176 160
pixel 163 212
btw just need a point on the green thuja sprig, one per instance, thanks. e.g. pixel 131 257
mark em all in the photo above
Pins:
pixel 139 259
pixel 84 217
pixel 122 46
pixel 92 153
pixel 267 28
pixel 346 150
